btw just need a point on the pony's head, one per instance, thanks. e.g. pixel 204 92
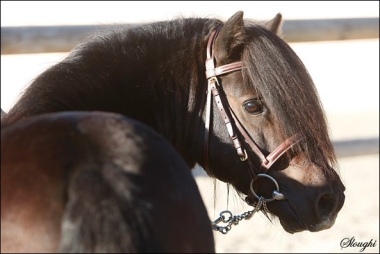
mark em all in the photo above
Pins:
pixel 276 122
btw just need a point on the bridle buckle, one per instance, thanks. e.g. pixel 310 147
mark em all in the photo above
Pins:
pixel 245 156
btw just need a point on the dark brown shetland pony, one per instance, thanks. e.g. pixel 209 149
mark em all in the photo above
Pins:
pixel 67 177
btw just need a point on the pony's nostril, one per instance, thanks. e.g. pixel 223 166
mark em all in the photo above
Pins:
pixel 327 208
pixel 326 205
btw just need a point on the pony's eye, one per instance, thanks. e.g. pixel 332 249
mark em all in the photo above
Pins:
pixel 253 107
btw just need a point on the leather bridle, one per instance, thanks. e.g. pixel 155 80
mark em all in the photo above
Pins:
pixel 235 129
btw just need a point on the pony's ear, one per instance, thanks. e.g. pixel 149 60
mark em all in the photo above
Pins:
pixel 230 41
pixel 275 24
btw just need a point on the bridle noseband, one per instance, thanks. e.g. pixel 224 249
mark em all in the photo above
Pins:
pixel 235 129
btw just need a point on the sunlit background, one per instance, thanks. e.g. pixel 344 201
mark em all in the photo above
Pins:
pixel 346 74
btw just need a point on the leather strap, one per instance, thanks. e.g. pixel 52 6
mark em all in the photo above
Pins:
pixel 211 74
pixel 269 160
pixel 224 69
pixel 230 119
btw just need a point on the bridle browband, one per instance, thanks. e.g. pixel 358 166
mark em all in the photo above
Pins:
pixel 235 129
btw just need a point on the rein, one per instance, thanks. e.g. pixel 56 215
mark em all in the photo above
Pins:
pixel 236 132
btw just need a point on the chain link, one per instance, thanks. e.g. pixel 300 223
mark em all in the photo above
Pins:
pixel 227 217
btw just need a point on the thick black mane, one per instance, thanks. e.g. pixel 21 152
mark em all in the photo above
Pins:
pixel 135 70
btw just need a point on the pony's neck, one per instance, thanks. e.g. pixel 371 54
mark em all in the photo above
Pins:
pixel 152 73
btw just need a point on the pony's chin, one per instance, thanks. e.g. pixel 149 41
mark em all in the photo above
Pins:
pixel 283 211
pixel 291 223
pixel 293 227
pixel 296 226
pixel 289 220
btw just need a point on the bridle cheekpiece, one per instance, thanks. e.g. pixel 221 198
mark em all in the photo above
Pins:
pixel 236 132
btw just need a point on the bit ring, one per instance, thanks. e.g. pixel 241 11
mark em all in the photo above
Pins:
pixel 276 195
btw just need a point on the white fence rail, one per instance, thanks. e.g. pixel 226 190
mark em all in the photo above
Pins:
pixel 356 147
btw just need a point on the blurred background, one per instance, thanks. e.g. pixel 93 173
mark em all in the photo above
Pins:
pixel 337 41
